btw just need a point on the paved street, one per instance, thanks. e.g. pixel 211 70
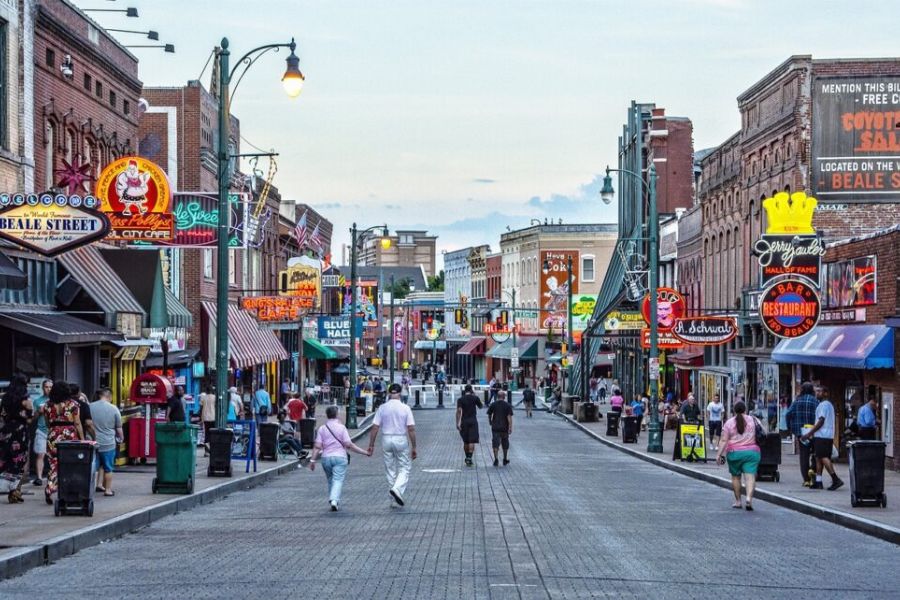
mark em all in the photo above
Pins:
pixel 568 518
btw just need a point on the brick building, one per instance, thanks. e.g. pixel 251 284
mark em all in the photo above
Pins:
pixel 493 268
pixel 408 249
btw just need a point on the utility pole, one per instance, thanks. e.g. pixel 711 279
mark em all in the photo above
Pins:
pixel 350 417
pixel 569 321
pixel 391 331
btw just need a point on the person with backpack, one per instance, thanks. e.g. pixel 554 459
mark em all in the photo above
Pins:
pixel 740 448
pixel 528 400
pixel 332 442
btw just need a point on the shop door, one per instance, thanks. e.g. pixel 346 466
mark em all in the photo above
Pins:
pixel 887 422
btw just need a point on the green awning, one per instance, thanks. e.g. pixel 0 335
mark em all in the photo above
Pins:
pixel 314 350
pixel 527 349
pixel 179 316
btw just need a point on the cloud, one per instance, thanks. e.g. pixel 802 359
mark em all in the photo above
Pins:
pixel 571 207
pixel 483 180
pixel 328 206
pixel 392 207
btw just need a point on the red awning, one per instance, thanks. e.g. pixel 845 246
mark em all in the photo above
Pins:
pixel 248 345
pixel 474 346
pixel 692 357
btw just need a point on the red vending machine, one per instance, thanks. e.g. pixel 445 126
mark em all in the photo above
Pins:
pixel 152 391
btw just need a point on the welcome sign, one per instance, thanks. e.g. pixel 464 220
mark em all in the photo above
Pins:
pixel 51 224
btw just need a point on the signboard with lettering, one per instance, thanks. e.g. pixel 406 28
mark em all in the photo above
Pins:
pixel 797 255
pixel 705 331
pixel 302 279
pixel 582 310
pixel 134 193
pixel 621 320
pixel 850 283
pixel 669 306
pixel 855 140
pixel 51 224
pixel 196 222
pixel 790 308
pixel 665 340
pixel 275 308
pixel 335 331
pixel 554 290
pixel 150 388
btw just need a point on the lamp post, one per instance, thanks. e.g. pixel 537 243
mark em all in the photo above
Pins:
pixel 391 332
pixel 654 431
pixel 293 83
pixel 512 296
pixel 356 237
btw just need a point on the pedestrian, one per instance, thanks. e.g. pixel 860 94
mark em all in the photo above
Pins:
pixel 494 387
pixel 602 389
pixel 262 403
pixel 528 400
pixel 398 444
pixel 467 421
pixel 285 392
pixel 740 449
pixel 311 402
pixel 235 405
pixel 594 387
pixel 800 418
pixel 63 415
pixel 287 433
pixel 690 411
pixel 84 412
pixel 207 415
pixel 637 409
pixel 16 410
pixel 296 409
pixel 616 401
pixel 175 406
pixel 822 435
pixel 40 432
pixel 866 421
pixel 715 410
pixel 500 416
pixel 108 426
pixel 555 399
pixel 332 442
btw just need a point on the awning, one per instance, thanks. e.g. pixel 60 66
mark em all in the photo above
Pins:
pixel 248 345
pixel 312 349
pixel 179 316
pixel 474 346
pixel 87 267
pixel 428 345
pixel 341 352
pixel 692 357
pixel 176 359
pixel 57 327
pixel 847 346
pixel 141 270
pixel 527 349
pixel 11 276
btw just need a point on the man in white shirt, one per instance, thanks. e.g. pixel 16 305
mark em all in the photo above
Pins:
pixel 822 435
pixel 398 429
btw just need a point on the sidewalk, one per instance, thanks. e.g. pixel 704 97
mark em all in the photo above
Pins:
pixel 30 535
pixel 831 506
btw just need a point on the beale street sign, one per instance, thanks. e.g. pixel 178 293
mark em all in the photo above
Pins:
pixel 51 224
pixel 705 331
pixel 790 309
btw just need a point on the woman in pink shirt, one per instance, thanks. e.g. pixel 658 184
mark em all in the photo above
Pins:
pixel 739 445
pixel 332 442
pixel 616 401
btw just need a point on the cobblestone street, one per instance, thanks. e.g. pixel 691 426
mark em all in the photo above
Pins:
pixel 569 518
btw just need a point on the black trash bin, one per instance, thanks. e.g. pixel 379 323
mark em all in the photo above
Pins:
pixel 867 473
pixel 591 412
pixel 268 441
pixel 629 430
pixel 307 432
pixel 612 423
pixel 220 452
pixel 378 401
pixel 76 469
pixel 770 458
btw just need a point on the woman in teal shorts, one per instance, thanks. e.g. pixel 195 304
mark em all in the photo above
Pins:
pixel 739 446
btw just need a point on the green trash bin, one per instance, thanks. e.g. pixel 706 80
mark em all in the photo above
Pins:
pixel 176 458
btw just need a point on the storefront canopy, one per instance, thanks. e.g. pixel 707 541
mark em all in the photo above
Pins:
pixel 57 327
pixel 86 266
pixel 527 349
pixel 428 345
pixel 179 315
pixel 848 346
pixel 11 276
pixel 474 346
pixel 248 345
pixel 141 270
pixel 312 349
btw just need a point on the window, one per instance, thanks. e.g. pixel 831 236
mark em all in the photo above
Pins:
pixel 112 98
pixel 87 83
pixel 4 103
pixel 50 58
pixel 70 146
pixel 587 267
pixel 126 107
pixel 49 154
pixel 232 268
pixel 98 89
pixel 208 263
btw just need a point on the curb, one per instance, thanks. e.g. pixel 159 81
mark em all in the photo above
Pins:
pixel 850 521
pixel 59 547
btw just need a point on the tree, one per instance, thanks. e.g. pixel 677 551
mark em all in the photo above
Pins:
pixel 401 288
pixel 436 282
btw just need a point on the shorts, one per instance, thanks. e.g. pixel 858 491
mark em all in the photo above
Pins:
pixel 500 438
pixel 715 429
pixel 40 442
pixel 107 460
pixel 469 433
pixel 822 447
pixel 743 461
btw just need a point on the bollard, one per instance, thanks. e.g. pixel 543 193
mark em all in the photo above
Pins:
pixel 417 405
pixel 441 398
pixel 486 396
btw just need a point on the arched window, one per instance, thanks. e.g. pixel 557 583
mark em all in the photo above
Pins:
pixel 49 154
pixel 790 150
pixel 69 146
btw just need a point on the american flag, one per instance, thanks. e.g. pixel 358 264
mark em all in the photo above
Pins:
pixel 300 231
pixel 316 242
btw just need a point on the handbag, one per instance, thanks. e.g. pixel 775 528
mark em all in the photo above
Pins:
pixel 760 432
pixel 338 441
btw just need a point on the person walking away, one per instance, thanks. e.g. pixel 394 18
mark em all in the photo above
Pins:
pixel 395 420
pixel 866 420
pixel 493 387
pixel 332 442
pixel 108 426
pixel 800 417
pixel 690 411
pixel 235 405
pixel 616 401
pixel 822 435
pixel 594 387
pixel 742 453
pixel 175 406
pixel 602 389
pixel 311 402
pixel 500 416
pixel 285 393
pixel 262 403
pixel 40 432
pixel 715 410
pixel 637 409
pixel 207 416
pixel 16 411
pixel 84 412
pixel 296 409
pixel 528 400
pixel 467 421
pixel 63 415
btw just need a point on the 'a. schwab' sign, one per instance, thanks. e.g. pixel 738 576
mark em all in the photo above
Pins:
pixel 50 224
pixel 705 331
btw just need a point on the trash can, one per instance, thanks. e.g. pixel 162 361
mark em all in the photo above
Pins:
pixel 219 452
pixel 268 441
pixel 591 412
pixel 176 458
pixel 75 477
pixel 770 458
pixel 867 473
pixel 307 432
pixel 612 423
pixel 629 430
pixel 379 400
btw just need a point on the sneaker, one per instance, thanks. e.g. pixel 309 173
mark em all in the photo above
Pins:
pixel 496 462
pixel 835 484
pixel 505 461
pixel 396 496
pixel 807 483
pixel 37 481
pixel 334 506
pixel 468 462
pixel 816 486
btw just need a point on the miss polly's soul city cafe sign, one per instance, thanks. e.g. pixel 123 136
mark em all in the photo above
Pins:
pixel 51 224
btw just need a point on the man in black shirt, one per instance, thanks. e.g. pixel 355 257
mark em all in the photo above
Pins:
pixel 467 421
pixel 528 400
pixel 175 406
pixel 690 411
pixel 500 415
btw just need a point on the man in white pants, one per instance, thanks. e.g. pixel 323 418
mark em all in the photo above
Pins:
pixel 398 432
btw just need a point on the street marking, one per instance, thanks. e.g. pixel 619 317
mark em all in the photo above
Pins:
pixel 440 470
pixel 513 585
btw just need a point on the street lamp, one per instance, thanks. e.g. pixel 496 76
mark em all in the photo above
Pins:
pixel 511 294
pixel 226 76
pixel 569 341
pixel 356 237
pixel 151 35
pixel 654 431
pixel 170 48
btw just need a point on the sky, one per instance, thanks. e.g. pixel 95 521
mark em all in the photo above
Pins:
pixel 466 117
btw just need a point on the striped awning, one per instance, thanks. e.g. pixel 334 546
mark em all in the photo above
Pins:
pixel 248 344
pixel 474 346
pixel 179 316
pixel 87 266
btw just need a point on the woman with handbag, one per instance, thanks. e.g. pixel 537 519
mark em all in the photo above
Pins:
pixel 741 436
pixel 332 442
